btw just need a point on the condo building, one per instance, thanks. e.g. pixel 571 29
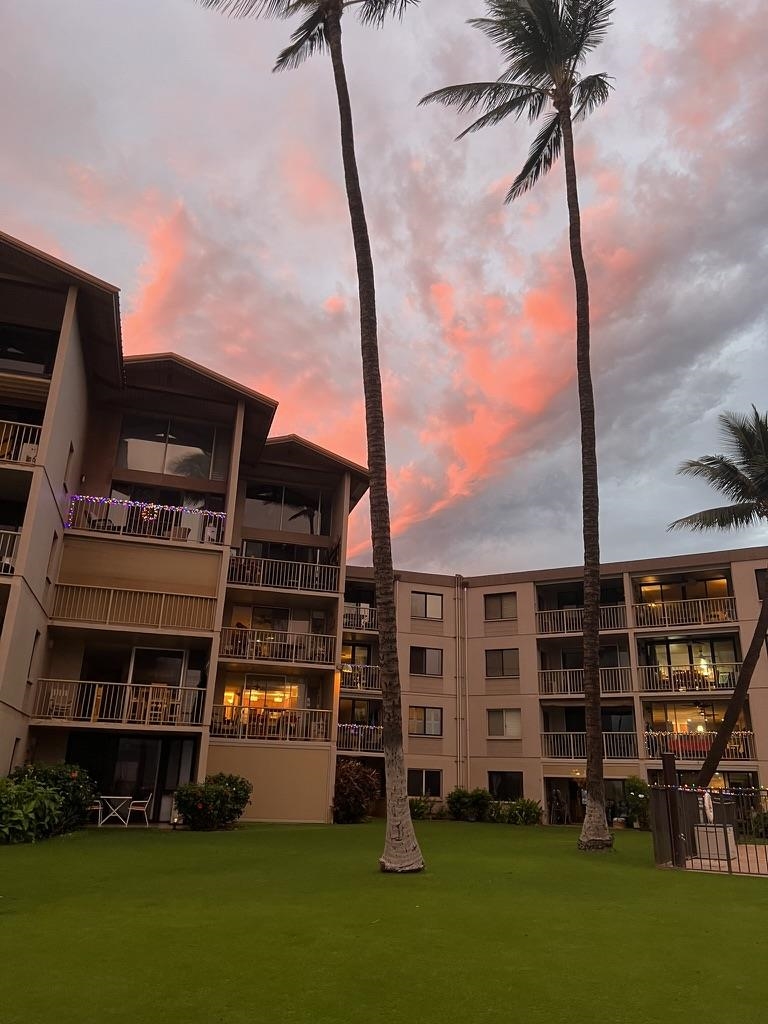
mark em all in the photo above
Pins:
pixel 175 601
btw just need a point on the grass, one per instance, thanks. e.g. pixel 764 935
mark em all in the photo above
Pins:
pixel 295 924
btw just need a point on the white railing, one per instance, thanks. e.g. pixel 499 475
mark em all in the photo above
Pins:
pixel 701 611
pixel 9 541
pixel 361 738
pixel 681 678
pixel 298 724
pixel 694 746
pixel 105 606
pixel 275 645
pixel 137 704
pixel 144 519
pixel 268 572
pixel 571 680
pixel 571 620
pixel 573 745
pixel 360 677
pixel 360 616
pixel 19 442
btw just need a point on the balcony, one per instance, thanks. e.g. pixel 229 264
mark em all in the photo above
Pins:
pixel 694 746
pixel 700 612
pixel 685 678
pixel 558 682
pixel 361 616
pixel 359 677
pixel 296 724
pixel 104 606
pixel 9 541
pixel 573 745
pixel 275 645
pixel 66 700
pixel 267 572
pixel 19 442
pixel 362 739
pixel 571 620
pixel 119 518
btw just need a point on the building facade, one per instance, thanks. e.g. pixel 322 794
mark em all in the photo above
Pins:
pixel 175 600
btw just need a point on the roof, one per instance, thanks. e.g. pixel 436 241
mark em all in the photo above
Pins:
pixel 290 444
pixel 192 369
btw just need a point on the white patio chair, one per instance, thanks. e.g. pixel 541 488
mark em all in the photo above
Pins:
pixel 140 806
pixel 96 807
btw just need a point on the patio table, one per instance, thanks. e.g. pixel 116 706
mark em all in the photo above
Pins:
pixel 115 807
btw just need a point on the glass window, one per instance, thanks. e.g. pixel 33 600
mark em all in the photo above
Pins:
pixel 157 667
pixel 27 350
pixel 506 722
pixel 503 662
pixel 761 581
pixel 142 443
pixel 272 692
pixel 426 661
pixel 500 606
pixel 505 785
pixel 189 449
pixel 425 782
pixel 425 721
pixel 426 606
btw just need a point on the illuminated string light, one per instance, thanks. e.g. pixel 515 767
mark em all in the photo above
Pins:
pixel 147 510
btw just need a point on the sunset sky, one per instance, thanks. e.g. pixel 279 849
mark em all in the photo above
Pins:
pixel 149 143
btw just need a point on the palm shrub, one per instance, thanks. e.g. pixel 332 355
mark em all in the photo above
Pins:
pixel 637 795
pixel 72 784
pixel 524 812
pixel 357 788
pixel 29 810
pixel 217 803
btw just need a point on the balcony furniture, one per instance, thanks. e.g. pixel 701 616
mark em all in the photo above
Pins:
pixel 96 808
pixel 139 807
pixel 103 524
pixel 116 807
pixel 60 703
pixel 28 452
pixel 180 532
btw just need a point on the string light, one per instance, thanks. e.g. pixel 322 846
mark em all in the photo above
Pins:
pixel 148 510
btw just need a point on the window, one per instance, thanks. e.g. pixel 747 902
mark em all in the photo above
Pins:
pixel 425 721
pixel 500 606
pixel 426 606
pixel 426 661
pixel 505 785
pixel 292 509
pixel 28 350
pixel 155 444
pixel 50 571
pixel 68 468
pixel 505 722
pixel 424 782
pixel 503 662
pixel 761 579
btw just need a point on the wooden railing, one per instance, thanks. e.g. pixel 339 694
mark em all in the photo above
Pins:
pixel 70 700
pixel 19 442
pixel 268 572
pixel 9 542
pixel 699 612
pixel 360 738
pixel 573 745
pixel 571 620
pixel 276 645
pixel 571 680
pixel 360 616
pixel 297 724
pixel 682 678
pixel 360 677
pixel 694 746
pixel 120 518
pixel 105 606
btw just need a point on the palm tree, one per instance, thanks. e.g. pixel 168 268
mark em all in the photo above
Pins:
pixel 544 44
pixel 320 29
pixel 742 476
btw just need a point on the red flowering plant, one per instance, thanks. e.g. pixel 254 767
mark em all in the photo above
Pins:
pixel 71 783
pixel 214 804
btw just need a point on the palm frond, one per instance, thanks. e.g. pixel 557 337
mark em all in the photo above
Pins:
pixel 375 12
pixel 542 155
pixel 530 105
pixel 721 473
pixel 745 437
pixel 497 100
pixel 308 39
pixel 730 517
pixel 589 93
pixel 252 8
pixel 514 29
pixel 590 20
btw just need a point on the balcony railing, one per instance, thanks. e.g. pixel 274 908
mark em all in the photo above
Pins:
pixel 682 678
pixel 694 746
pixel 360 616
pixel 66 700
pixel 571 620
pixel 267 572
pixel 19 442
pixel 360 677
pixel 700 612
pixel 9 541
pixel 297 724
pixel 363 739
pixel 573 745
pixel 571 681
pixel 105 606
pixel 120 518
pixel 275 645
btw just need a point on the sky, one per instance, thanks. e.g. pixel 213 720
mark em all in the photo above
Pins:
pixel 150 144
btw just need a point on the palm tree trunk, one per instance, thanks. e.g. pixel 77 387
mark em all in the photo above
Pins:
pixel 594 833
pixel 401 849
pixel 738 699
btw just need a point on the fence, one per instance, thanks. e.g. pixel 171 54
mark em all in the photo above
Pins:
pixel 268 572
pixel 297 724
pixel 122 518
pixel 136 704
pixel 104 606
pixel 19 442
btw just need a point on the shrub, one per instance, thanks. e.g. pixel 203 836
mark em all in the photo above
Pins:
pixel 216 803
pixel 72 783
pixel 421 808
pixel 480 801
pixel 524 812
pixel 458 804
pixel 637 798
pixel 29 810
pixel 357 787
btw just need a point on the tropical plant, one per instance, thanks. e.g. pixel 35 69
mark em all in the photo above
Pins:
pixel 458 803
pixel 320 30
pixel 525 812
pixel 71 783
pixel 357 787
pixel 29 810
pixel 217 803
pixel 544 44
pixel 741 475
pixel 637 797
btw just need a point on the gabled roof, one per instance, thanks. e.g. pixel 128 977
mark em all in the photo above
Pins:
pixel 290 447
pixel 186 369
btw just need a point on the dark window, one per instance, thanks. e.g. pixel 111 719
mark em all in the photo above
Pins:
pixel 500 606
pixel 424 782
pixel 505 785
pixel 27 350
pixel 761 579
pixel 291 509
pixel 425 721
pixel 426 606
pixel 503 662
pixel 155 444
pixel 426 661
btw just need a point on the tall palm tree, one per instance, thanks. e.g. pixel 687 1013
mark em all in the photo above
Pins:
pixel 742 476
pixel 544 44
pixel 320 29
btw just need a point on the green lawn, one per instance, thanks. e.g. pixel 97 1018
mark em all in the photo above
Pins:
pixel 285 924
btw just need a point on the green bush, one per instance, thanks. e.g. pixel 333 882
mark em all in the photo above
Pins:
pixel 480 801
pixel 458 804
pixel 214 804
pixel 421 808
pixel 76 789
pixel 357 788
pixel 637 799
pixel 29 810
pixel 524 812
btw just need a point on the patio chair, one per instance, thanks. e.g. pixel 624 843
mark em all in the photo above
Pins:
pixel 96 807
pixel 140 807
